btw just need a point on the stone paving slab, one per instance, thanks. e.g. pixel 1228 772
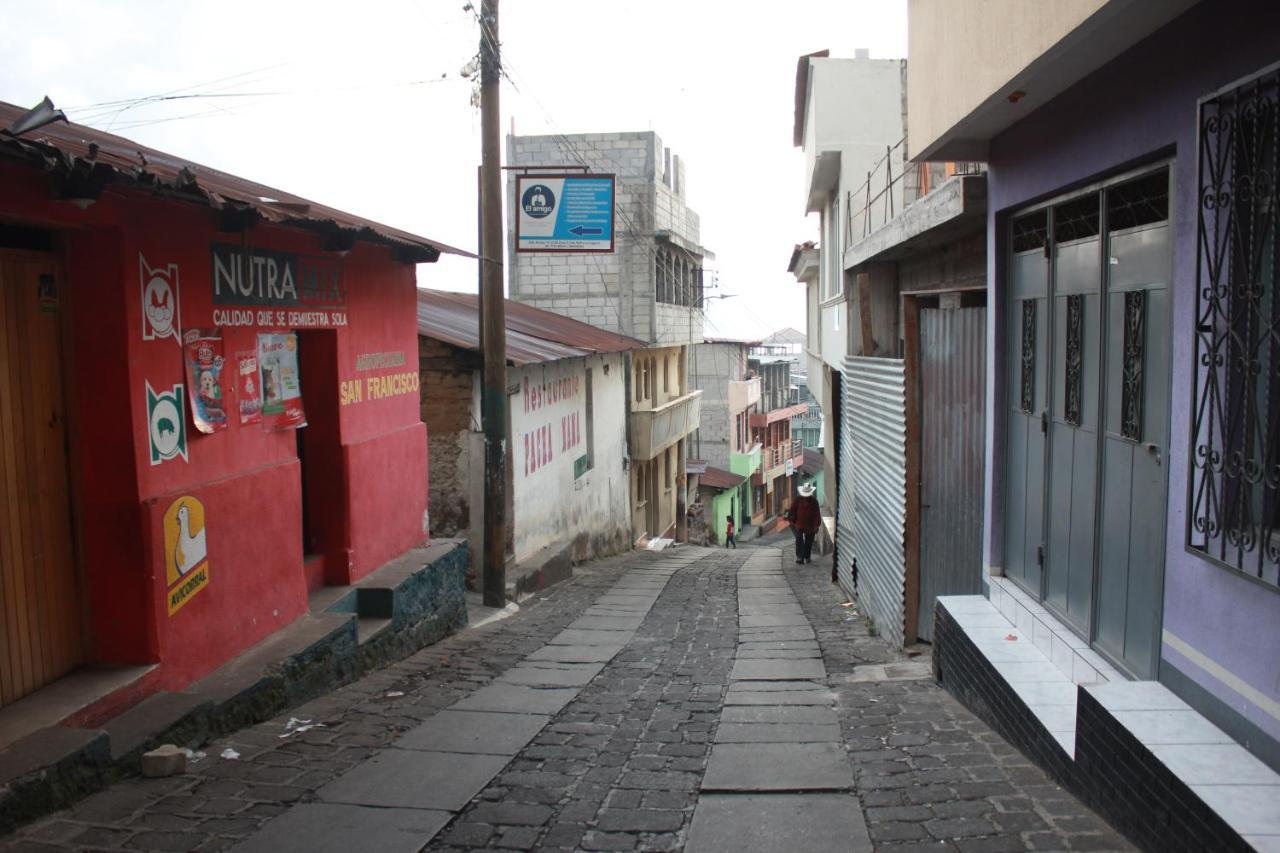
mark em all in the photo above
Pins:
pixel 778 823
pixel 777 733
pixel 778 767
pixel 576 654
pixel 780 686
pixel 778 654
pixel 778 714
pixel 483 732
pixel 780 607
pixel 775 620
pixel 789 632
pixel 531 674
pixel 337 828
pixel 607 623
pixel 583 637
pixel 517 699
pixel 777 670
pixel 409 779
pixel 805 645
pixel 820 696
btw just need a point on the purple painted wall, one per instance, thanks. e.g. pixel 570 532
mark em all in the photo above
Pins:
pixel 1139 107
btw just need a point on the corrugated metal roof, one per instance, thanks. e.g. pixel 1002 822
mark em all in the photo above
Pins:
pixel 533 335
pixel 83 157
pixel 718 478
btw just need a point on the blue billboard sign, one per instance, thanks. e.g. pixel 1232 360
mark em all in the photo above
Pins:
pixel 564 213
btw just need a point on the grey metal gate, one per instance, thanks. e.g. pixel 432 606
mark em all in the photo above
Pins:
pixel 1027 400
pixel 953 373
pixel 1135 437
pixel 877 415
pixel 1085 482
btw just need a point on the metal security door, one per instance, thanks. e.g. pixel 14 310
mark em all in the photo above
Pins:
pixel 1073 414
pixel 1135 424
pixel 953 362
pixel 1089 503
pixel 1027 396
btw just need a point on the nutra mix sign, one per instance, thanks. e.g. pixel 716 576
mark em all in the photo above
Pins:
pixel 311 290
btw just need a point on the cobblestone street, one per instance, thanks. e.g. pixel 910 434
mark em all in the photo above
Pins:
pixel 693 699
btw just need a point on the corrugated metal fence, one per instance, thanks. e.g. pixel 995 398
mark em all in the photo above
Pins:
pixel 844 494
pixel 875 413
pixel 953 347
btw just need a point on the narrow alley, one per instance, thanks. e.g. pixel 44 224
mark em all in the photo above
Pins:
pixel 697 699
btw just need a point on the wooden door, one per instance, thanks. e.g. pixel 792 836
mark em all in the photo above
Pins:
pixel 40 634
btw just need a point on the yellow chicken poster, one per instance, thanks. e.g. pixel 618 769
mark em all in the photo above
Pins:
pixel 186 554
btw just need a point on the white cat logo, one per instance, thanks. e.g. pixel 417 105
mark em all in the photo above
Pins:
pixel 159 300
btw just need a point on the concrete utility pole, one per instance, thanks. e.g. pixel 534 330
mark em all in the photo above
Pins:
pixel 493 410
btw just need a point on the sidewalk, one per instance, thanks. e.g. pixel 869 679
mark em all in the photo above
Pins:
pixel 699 699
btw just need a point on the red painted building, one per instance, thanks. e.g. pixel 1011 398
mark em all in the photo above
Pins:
pixel 129 537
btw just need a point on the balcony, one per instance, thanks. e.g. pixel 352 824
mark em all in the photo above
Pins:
pixel 654 430
pixel 774 461
pixel 785 413
pixel 743 393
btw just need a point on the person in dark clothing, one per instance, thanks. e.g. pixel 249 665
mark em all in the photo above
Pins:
pixel 806 517
pixel 728 532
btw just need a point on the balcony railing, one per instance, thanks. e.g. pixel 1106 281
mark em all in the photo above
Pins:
pixel 892 186
pixel 785 413
pixel 773 460
pixel 654 430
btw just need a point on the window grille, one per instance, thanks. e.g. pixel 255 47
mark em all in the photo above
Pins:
pixel 1234 490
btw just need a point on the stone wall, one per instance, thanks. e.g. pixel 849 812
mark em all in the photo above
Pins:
pixel 447 376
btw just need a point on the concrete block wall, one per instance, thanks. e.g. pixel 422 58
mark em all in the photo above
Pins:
pixel 711 367
pixel 715 435
pixel 614 291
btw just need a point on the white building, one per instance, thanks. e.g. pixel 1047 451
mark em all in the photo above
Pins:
pixel 569 486
pixel 650 288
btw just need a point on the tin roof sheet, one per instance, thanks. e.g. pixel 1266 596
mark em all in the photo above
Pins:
pixel 718 478
pixel 91 157
pixel 533 335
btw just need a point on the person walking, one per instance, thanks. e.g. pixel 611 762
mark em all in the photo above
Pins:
pixel 806 517
pixel 728 533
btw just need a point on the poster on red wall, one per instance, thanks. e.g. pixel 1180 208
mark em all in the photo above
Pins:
pixel 248 390
pixel 203 350
pixel 280 382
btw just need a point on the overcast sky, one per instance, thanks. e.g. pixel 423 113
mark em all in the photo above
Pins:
pixel 360 105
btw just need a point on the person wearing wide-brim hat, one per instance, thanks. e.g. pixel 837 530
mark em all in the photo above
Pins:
pixel 806 517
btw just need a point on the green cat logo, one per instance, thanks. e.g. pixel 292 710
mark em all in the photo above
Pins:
pixel 166 425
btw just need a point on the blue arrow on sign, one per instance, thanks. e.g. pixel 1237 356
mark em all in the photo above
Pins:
pixel 583 231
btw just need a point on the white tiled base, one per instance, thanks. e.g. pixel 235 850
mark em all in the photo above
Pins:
pixel 1227 777
pixel 1046 664
pixel 1023 663
pixel 1059 643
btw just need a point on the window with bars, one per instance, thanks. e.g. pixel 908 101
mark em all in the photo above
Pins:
pixel 1234 496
